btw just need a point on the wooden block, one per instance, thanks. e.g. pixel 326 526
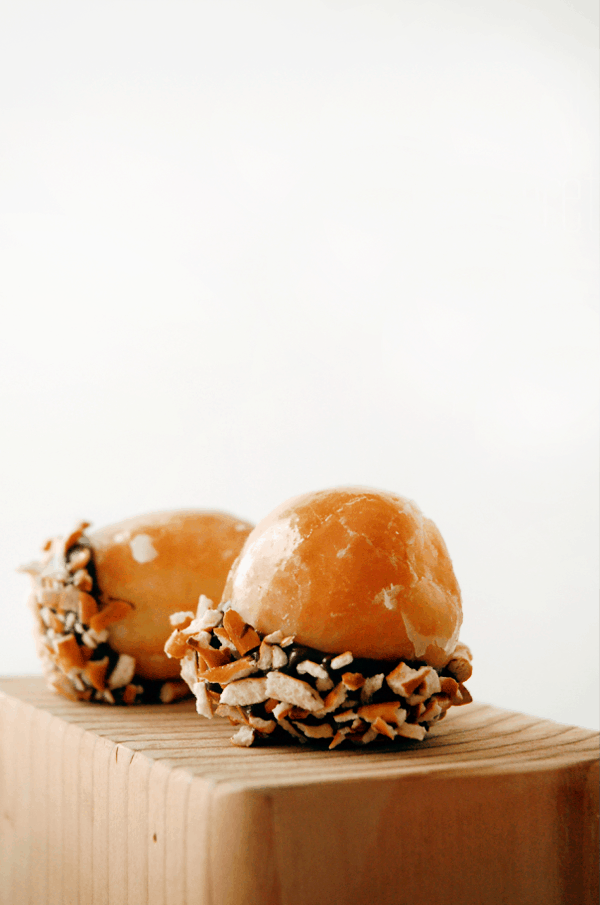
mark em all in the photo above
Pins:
pixel 102 805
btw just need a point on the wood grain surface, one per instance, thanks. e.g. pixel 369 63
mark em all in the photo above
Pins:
pixel 154 806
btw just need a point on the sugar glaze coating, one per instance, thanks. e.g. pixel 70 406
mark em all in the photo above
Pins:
pixel 351 568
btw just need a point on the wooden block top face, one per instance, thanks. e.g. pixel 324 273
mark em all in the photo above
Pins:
pixel 473 740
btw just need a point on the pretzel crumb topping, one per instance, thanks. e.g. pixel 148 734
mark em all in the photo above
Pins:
pixel 270 686
pixel 73 621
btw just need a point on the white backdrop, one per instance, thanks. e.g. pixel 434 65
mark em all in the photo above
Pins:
pixel 253 249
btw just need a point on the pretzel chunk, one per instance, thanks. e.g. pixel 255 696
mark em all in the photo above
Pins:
pixel 384 728
pixel 69 653
pixel 95 673
pixel 324 730
pixel 286 688
pixel 404 680
pixel 342 660
pixel 238 669
pixel 241 634
pixel 203 702
pixel 114 611
pixel 413 731
pixel 353 680
pixel 390 711
pixel 244 692
pixel 244 737
pixel 181 619
pixel 123 672
pixel 460 666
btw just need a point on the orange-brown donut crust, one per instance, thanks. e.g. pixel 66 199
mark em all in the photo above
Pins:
pixel 351 569
pixel 160 564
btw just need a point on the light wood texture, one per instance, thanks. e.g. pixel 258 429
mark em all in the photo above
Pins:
pixel 152 806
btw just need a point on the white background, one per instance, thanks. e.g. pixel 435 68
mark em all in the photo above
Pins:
pixel 250 249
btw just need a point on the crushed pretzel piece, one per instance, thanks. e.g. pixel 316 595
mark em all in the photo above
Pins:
pixel 404 680
pixel 238 669
pixel 265 657
pixel 189 672
pixel 413 731
pixel 203 702
pixel 443 700
pixel 286 688
pixel 334 699
pixel 448 685
pixel 232 713
pixel 130 693
pixel 323 730
pixel 428 711
pixel 71 539
pixel 55 622
pixel 298 713
pixel 204 604
pixel 68 653
pixel 353 680
pixel 324 685
pixel 209 619
pixel 181 619
pixel 390 711
pixel 114 611
pixel 68 599
pixel 176 645
pixel 266 727
pixel 92 639
pixel 372 685
pixel 428 686
pixel 173 691
pixel 123 672
pixel 86 607
pixel 196 627
pixel 282 709
pixel 245 692
pixel 285 724
pixel 213 657
pixel 95 673
pixel 201 640
pixel 244 737
pixel 61 684
pixel 339 737
pixel 308 667
pixel 224 638
pixel 48 597
pixel 83 580
pixel 74 677
pixel 279 656
pixel 367 736
pixel 274 637
pixel 465 695
pixel 345 717
pixel 79 559
pixel 288 640
pixel 383 728
pixel 271 704
pixel 241 633
pixel 342 660
pixel 460 666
